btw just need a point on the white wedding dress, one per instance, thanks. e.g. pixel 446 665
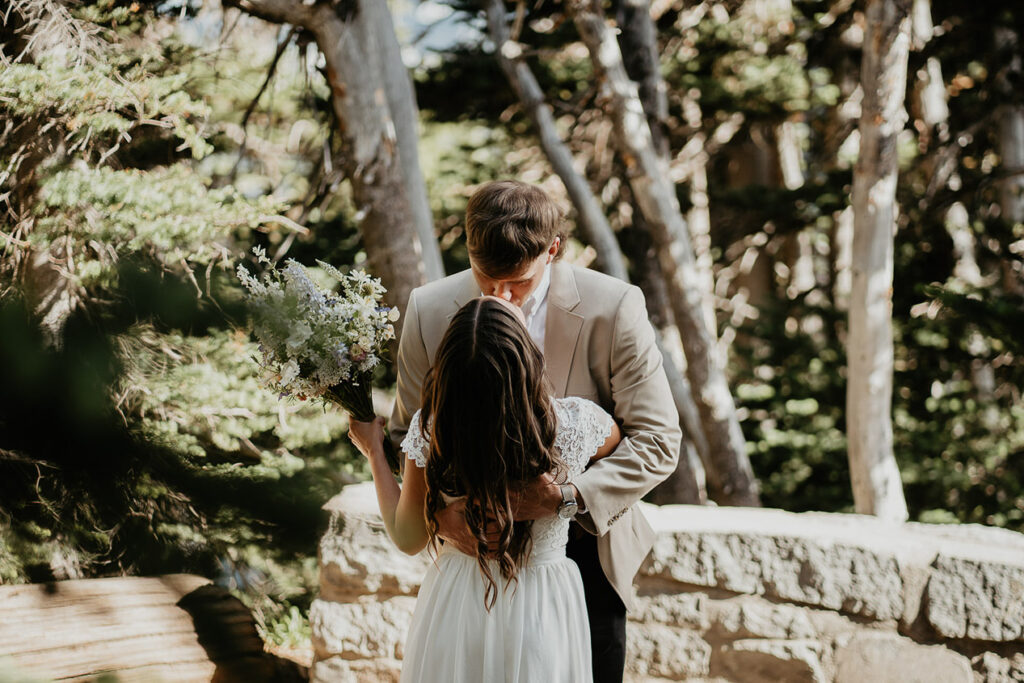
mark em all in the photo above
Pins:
pixel 537 630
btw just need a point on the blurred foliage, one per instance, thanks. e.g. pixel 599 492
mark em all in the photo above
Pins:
pixel 138 440
pixel 790 391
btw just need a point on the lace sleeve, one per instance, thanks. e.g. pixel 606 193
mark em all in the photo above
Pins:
pixel 414 445
pixel 582 427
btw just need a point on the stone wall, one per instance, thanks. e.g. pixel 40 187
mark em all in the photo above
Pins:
pixel 732 594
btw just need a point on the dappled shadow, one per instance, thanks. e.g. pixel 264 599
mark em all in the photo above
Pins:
pixel 227 632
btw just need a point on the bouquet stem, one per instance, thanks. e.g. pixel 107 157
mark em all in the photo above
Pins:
pixel 357 400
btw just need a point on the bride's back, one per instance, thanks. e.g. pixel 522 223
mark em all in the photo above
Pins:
pixel 490 424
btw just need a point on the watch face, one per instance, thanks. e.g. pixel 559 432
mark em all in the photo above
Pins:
pixel 567 510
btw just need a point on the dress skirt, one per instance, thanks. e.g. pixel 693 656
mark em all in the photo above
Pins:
pixel 536 632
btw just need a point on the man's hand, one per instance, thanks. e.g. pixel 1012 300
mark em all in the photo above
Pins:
pixel 540 499
pixel 452 528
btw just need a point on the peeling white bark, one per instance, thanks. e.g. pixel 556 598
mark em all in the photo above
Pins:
pixel 877 488
pixel 405 114
pixel 733 478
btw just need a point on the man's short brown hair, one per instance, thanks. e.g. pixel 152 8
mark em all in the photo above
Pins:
pixel 509 223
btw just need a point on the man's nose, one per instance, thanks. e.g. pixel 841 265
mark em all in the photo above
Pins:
pixel 503 291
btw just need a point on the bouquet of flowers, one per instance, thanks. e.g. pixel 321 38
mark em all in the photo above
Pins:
pixel 319 344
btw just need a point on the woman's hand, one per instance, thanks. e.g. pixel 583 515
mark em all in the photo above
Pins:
pixel 368 437
pixel 401 507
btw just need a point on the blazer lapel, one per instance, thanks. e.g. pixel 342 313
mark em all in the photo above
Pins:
pixel 563 327
pixel 466 292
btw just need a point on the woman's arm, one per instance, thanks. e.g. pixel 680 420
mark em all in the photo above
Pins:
pixel 401 507
pixel 609 444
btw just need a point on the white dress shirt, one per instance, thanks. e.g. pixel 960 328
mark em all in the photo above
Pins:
pixel 535 309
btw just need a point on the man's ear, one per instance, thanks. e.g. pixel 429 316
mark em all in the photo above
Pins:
pixel 553 249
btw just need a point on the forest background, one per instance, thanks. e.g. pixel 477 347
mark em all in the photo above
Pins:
pixel 146 147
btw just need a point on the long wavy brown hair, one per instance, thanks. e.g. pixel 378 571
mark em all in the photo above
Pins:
pixel 488 419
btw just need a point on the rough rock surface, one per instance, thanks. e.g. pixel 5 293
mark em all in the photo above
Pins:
pixel 365 629
pixel 976 600
pixel 757 660
pixel 341 670
pixel 357 557
pixel 734 594
pixel 667 653
pixel 885 658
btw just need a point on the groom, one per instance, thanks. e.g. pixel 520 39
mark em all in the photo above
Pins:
pixel 597 344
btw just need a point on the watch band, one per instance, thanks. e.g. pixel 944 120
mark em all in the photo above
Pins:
pixel 567 495
pixel 568 508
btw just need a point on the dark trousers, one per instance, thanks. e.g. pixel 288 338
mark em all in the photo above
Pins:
pixel 605 609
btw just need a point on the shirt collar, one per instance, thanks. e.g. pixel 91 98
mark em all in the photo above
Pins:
pixel 534 301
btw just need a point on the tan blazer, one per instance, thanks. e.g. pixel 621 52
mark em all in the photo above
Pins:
pixel 599 344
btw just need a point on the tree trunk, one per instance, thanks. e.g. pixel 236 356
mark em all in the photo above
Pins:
pixel 350 37
pixel 591 218
pixel 733 479
pixel 688 484
pixel 638 43
pixel 1011 147
pixel 403 107
pixel 875 476
pixel 1011 133
pixel 699 218
pixel 842 259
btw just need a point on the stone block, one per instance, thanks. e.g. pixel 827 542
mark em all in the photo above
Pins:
pixel 813 571
pixel 759 660
pixel 994 669
pixel 341 670
pixel 662 652
pixel 365 629
pixel 750 617
pixel 356 555
pixel 887 658
pixel 968 598
pixel 672 609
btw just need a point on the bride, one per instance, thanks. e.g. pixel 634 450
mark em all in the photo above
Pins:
pixel 513 610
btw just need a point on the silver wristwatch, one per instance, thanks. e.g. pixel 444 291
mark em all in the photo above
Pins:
pixel 568 508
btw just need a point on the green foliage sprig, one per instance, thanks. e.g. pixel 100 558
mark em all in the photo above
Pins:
pixel 169 214
pixel 96 103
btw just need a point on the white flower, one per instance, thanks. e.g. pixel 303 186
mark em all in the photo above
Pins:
pixel 394 314
pixel 300 333
pixel 312 339
pixel 289 371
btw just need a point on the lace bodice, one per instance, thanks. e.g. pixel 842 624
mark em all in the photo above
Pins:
pixel 582 427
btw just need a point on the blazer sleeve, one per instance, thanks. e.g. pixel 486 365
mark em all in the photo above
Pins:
pixel 644 408
pixel 412 367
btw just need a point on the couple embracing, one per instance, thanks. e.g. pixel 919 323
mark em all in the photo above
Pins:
pixel 535 414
